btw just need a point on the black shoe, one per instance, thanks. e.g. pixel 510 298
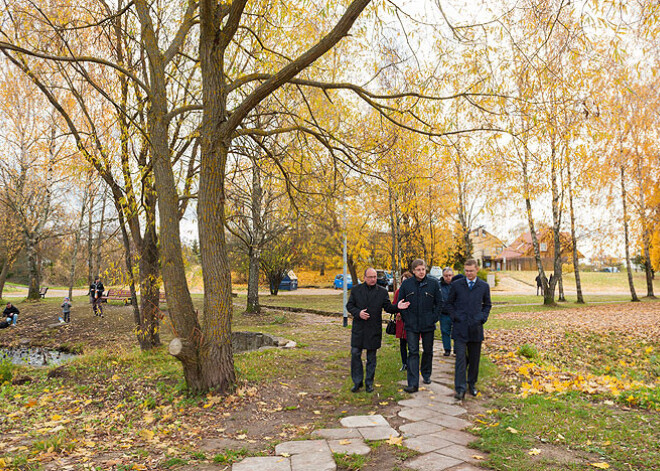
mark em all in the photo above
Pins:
pixel 369 388
pixel 459 395
pixel 404 367
pixel 411 389
pixel 356 388
pixel 426 381
pixel 447 353
pixel 473 390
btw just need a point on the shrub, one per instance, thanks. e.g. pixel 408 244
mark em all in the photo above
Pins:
pixel 6 370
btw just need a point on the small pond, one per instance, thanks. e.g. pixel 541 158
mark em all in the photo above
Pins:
pixel 35 356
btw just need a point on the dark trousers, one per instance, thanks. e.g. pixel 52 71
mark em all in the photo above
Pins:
pixel 67 316
pixel 356 366
pixel 467 356
pixel 445 328
pixel 403 348
pixel 413 356
pixel 97 307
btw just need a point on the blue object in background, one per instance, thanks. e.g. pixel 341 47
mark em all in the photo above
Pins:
pixel 339 282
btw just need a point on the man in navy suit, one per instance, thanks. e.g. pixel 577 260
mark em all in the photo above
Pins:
pixel 468 305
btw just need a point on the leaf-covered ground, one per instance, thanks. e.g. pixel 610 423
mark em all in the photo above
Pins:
pixel 118 408
pixel 580 388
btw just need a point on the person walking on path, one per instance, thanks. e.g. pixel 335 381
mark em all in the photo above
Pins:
pixel 445 319
pixel 95 293
pixel 400 329
pixel 66 310
pixel 11 313
pixel 539 284
pixel 469 306
pixel 366 304
pixel 423 294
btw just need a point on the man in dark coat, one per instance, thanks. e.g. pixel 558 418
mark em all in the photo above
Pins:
pixel 469 306
pixel 366 304
pixel 96 294
pixel 423 294
pixel 445 320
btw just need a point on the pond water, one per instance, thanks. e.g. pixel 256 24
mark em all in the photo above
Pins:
pixel 35 356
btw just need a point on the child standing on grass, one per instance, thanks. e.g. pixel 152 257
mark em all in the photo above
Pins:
pixel 66 311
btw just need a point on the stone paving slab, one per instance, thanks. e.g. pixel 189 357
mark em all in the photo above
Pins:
pixel 432 462
pixel 435 406
pixel 313 462
pixel 418 413
pixel 378 433
pixel 440 389
pixel 263 463
pixel 349 446
pixel 454 436
pixel 421 428
pixel 337 433
pixel 462 453
pixel 356 421
pixel 448 421
pixel 303 446
pixel 465 467
pixel 426 443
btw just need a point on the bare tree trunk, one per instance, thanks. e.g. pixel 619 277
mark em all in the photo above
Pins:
pixel 646 238
pixel 76 246
pixel 33 269
pixel 556 224
pixel 255 242
pixel 99 237
pixel 548 298
pixel 352 268
pixel 9 260
pixel 633 295
pixel 576 265
pixel 395 273
pixel 3 276
pixel 90 240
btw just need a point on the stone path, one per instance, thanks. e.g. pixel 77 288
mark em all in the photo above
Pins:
pixel 433 428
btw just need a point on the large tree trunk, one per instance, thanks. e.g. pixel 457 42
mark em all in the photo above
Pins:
pixel 631 284
pixel 181 310
pixel 3 276
pixel 576 265
pixel 149 322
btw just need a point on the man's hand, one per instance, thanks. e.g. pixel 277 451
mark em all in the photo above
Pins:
pixel 403 304
pixel 364 314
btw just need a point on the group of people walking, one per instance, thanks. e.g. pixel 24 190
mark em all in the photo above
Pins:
pixel 460 303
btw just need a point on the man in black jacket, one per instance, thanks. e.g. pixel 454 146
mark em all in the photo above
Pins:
pixel 366 304
pixel 11 313
pixel 469 306
pixel 423 294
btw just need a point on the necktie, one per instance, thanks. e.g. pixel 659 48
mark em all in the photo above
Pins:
pixel 471 284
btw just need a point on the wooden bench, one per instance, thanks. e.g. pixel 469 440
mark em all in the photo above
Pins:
pixel 115 294
pixel 43 291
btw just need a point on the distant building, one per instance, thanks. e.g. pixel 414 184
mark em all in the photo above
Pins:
pixel 519 255
pixel 485 247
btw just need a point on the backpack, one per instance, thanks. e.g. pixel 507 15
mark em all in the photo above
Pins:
pixel 4 324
